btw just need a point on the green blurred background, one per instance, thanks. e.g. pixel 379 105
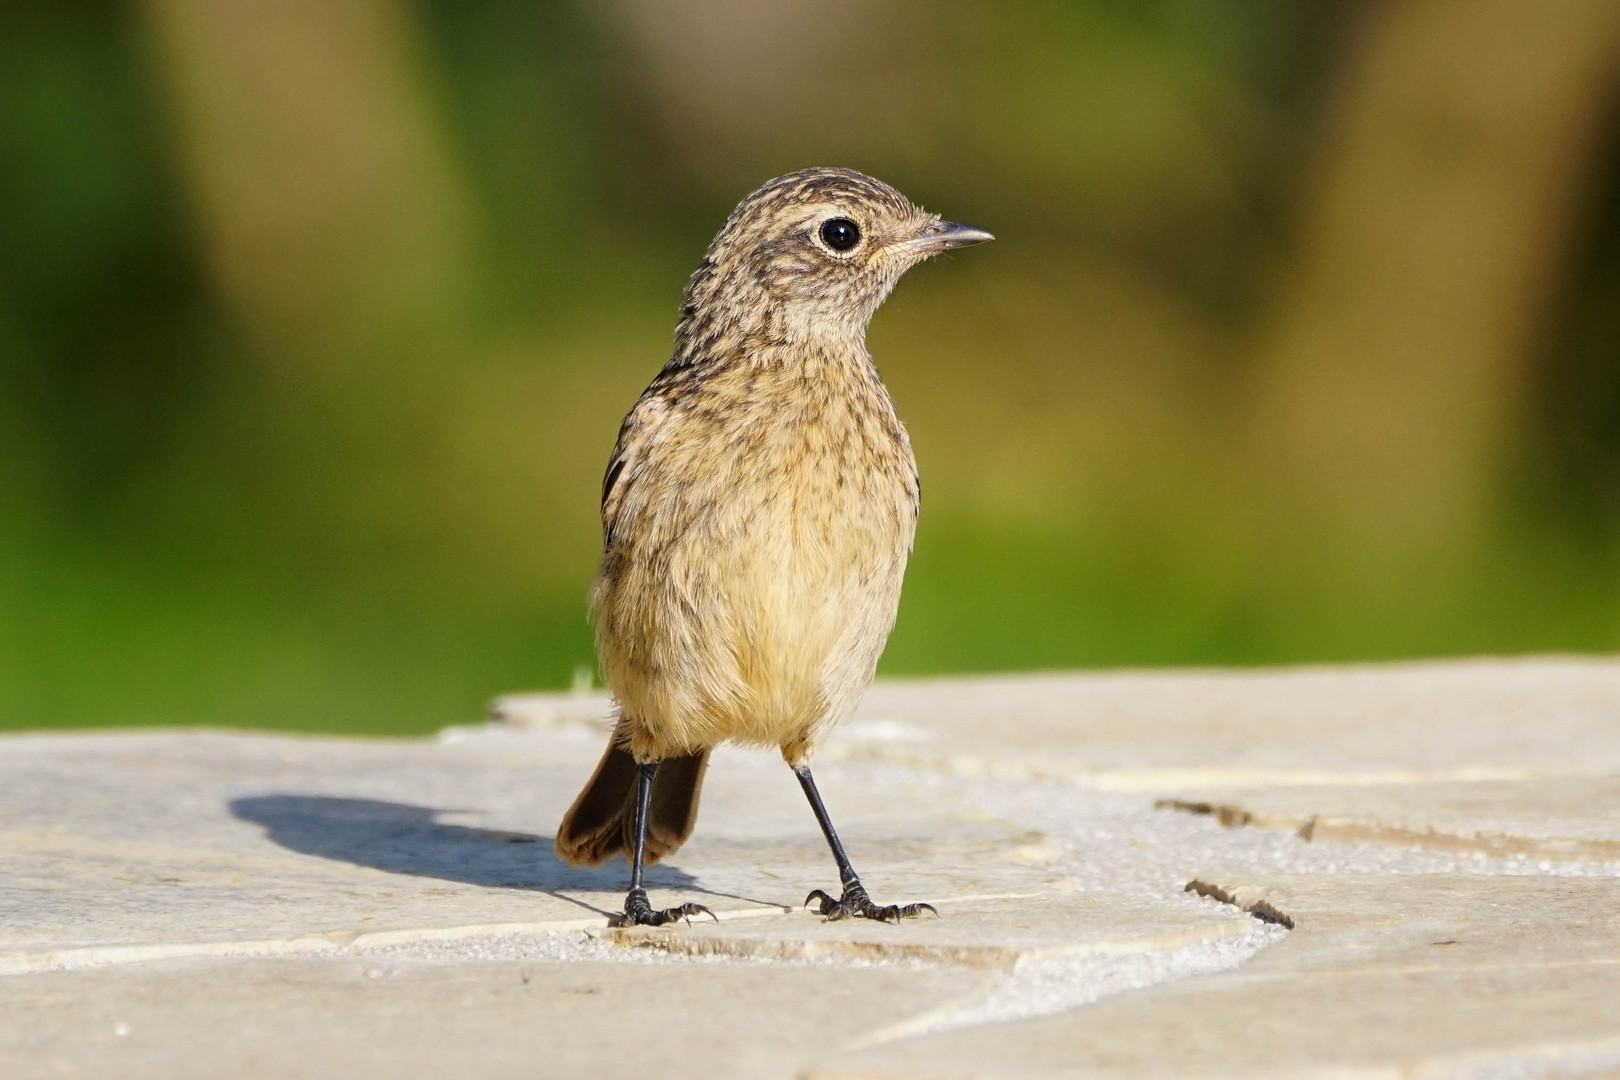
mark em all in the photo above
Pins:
pixel 1300 340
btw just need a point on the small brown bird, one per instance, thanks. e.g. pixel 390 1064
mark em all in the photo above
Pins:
pixel 757 514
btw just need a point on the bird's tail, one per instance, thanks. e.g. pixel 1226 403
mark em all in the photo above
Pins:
pixel 602 821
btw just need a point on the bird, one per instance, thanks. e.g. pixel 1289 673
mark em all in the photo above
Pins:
pixel 758 510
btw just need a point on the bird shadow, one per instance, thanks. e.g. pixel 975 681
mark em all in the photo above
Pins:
pixel 405 839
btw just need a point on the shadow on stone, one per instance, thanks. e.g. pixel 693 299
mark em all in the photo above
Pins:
pixel 405 839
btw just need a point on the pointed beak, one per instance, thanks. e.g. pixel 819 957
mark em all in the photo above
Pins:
pixel 944 235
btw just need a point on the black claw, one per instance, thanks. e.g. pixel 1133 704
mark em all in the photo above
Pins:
pixel 638 912
pixel 855 904
pixel 828 904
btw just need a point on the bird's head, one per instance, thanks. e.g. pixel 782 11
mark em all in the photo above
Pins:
pixel 810 255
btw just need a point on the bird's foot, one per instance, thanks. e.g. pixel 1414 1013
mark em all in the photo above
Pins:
pixel 855 904
pixel 638 912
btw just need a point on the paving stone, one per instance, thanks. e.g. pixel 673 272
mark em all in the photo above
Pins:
pixel 403 1019
pixel 993 933
pixel 1564 818
pixel 1454 975
pixel 1156 731
pixel 1416 875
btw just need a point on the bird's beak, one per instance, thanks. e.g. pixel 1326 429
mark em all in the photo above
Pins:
pixel 944 235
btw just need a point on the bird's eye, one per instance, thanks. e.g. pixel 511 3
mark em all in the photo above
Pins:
pixel 840 233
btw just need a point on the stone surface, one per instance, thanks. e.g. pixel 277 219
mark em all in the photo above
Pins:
pixel 1393 724
pixel 1450 975
pixel 1402 871
pixel 1557 818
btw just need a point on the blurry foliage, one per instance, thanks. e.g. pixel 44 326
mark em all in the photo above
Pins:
pixel 317 321
pixel 1572 468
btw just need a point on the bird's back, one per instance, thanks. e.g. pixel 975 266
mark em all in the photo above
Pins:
pixel 757 519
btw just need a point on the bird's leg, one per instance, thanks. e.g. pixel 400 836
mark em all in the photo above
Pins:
pixel 854 903
pixel 637 911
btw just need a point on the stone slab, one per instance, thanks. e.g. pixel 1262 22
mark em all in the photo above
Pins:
pixel 1425 976
pixel 1161 731
pixel 117 841
pixel 404 1019
pixel 1415 878
pixel 1572 818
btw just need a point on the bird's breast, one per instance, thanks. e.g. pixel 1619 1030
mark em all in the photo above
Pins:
pixel 827 478
pixel 765 584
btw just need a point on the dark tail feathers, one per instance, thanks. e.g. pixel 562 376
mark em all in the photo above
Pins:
pixel 602 821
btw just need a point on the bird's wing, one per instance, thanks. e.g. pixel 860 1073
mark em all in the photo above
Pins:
pixel 637 436
pixel 617 481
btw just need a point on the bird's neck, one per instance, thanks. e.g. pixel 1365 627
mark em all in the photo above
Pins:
pixel 772 338
pixel 729 316
pixel 745 346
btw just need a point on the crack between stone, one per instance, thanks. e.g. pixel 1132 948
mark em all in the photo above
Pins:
pixel 1255 905
pixel 1315 828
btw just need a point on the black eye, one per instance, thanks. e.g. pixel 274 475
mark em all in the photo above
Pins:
pixel 840 233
